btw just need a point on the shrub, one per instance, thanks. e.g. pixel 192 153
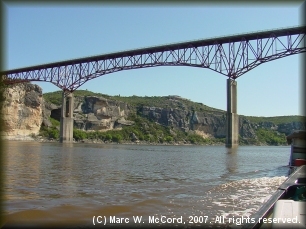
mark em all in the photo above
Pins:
pixel 108 137
pixel 141 137
pixel 117 138
pixel 194 138
pixel 53 133
pixel 168 139
pixel 270 137
pixel 147 137
pixel 79 134
pixel 101 135
pixel 54 122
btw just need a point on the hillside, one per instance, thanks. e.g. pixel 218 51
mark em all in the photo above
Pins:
pixel 161 119
pixel 135 101
pixel 276 119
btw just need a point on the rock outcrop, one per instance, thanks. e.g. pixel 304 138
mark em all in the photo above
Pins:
pixel 288 128
pixel 96 113
pixel 206 124
pixel 46 113
pixel 246 131
pixel 22 110
pixel 25 111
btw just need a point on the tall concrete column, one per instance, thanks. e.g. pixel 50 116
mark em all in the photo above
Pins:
pixel 232 118
pixel 66 122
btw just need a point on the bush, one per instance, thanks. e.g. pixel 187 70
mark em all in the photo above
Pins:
pixel 117 138
pixel 147 137
pixel 141 137
pixel 92 135
pixel 101 135
pixel 54 122
pixel 53 133
pixel 79 134
pixel 108 137
pixel 194 138
pixel 270 137
pixel 168 139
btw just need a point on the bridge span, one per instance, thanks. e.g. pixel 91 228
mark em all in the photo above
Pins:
pixel 231 56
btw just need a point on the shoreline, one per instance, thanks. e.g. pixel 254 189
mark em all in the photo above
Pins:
pixel 101 142
pixel 86 141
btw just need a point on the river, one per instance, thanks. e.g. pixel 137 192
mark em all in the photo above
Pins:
pixel 70 184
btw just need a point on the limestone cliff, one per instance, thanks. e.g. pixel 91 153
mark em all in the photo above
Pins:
pixel 206 124
pixel 93 113
pixel 98 113
pixel 25 111
pixel 22 110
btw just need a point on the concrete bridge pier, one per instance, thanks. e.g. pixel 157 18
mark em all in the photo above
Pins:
pixel 232 118
pixel 66 121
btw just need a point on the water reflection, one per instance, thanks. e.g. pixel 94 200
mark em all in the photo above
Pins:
pixel 144 180
pixel 231 159
pixel 23 166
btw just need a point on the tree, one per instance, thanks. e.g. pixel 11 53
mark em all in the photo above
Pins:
pixel 117 138
pixel 169 139
pixel 53 133
pixel 108 137
pixel 79 134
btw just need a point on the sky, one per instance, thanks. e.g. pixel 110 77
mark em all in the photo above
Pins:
pixel 45 33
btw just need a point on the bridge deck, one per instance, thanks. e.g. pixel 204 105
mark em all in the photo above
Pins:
pixel 174 46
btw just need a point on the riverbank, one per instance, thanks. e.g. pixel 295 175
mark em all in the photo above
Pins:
pixel 125 142
pixel 98 141
pixel 137 142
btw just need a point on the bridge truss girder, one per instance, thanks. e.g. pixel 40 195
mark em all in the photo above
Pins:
pixel 231 56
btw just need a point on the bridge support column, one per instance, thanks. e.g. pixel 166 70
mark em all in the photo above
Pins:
pixel 66 122
pixel 232 118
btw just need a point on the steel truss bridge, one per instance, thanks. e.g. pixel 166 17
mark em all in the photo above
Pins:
pixel 231 56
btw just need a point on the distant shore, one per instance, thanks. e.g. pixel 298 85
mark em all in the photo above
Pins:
pixel 98 141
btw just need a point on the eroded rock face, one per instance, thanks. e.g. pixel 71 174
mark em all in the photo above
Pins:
pixel 209 124
pixel 245 129
pixel 206 124
pixel 48 108
pixel 22 110
pixel 168 116
pixel 288 128
pixel 98 113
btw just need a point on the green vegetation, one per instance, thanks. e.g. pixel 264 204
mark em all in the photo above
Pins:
pixel 277 120
pixel 54 122
pixel 270 137
pixel 164 102
pixel 152 132
pixel 143 129
pixel 249 141
pixel 56 97
pixel 53 97
pixel 51 133
pixel 136 101
pixel 79 134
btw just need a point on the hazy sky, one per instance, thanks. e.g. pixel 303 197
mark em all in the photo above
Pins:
pixel 42 33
